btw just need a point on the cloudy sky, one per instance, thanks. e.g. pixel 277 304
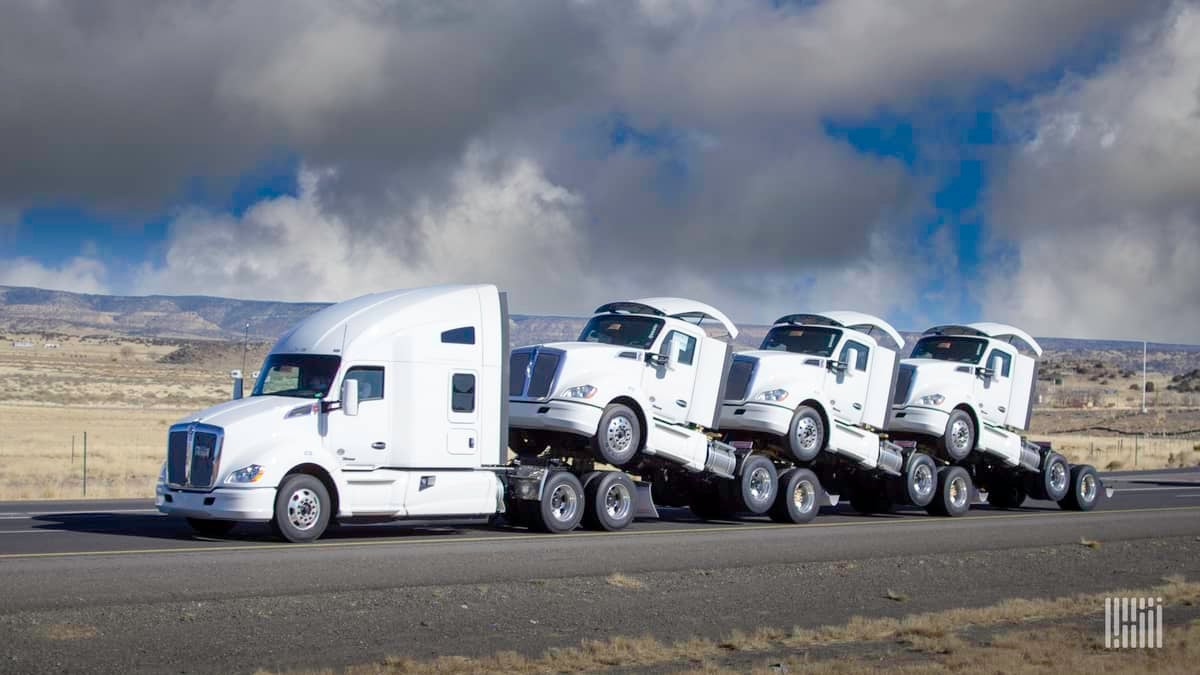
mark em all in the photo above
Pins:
pixel 1036 163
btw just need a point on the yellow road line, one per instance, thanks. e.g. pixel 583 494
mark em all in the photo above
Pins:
pixel 743 527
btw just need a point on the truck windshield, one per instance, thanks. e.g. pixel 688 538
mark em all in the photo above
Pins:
pixel 950 348
pixel 625 331
pixel 296 375
pixel 812 340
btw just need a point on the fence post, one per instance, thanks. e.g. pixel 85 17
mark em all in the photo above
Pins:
pixel 85 464
pixel 72 449
pixel 1136 447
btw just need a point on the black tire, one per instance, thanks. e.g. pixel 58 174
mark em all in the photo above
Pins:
pixel 753 490
pixel 806 436
pixel 798 499
pixel 869 499
pixel 526 444
pixel 618 437
pixel 302 508
pixel 1007 494
pixel 953 496
pixel 562 504
pixel 1054 478
pixel 211 528
pixel 959 438
pixel 918 484
pixel 707 502
pixel 1086 489
pixel 611 501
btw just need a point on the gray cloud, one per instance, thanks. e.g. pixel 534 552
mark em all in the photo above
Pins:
pixel 445 140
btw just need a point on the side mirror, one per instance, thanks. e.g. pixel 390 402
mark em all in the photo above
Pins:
pixel 985 372
pixel 350 397
pixel 836 366
pixel 657 360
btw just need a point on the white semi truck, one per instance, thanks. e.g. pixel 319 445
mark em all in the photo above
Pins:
pixel 966 392
pixel 641 389
pixel 388 406
pixel 816 397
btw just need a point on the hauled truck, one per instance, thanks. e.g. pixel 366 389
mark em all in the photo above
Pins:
pixel 815 397
pixel 966 392
pixel 641 389
pixel 389 406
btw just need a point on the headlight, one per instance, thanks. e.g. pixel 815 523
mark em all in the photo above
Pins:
pixel 248 474
pixel 932 399
pixel 582 391
pixel 774 395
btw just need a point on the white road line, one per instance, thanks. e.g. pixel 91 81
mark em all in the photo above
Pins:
pixel 102 512
pixel 30 531
pixel 1177 488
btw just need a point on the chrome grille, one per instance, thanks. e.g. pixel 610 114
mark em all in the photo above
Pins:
pixel 193 455
pixel 737 386
pixel 903 383
pixel 532 372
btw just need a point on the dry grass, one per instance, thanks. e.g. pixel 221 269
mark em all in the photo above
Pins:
pixel 624 581
pixel 69 631
pixel 936 639
pixel 1111 453
pixel 895 596
pixel 1090 543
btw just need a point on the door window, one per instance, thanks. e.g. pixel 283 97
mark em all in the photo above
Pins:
pixel 462 393
pixel 681 347
pixel 370 382
pixel 1000 363
pixel 854 355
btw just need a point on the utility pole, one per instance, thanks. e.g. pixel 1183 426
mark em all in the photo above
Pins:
pixel 1143 377
pixel 246 347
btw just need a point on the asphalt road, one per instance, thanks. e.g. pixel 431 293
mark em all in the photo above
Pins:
pixel 109 586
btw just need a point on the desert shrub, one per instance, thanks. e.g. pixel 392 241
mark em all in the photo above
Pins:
pixel 1114 465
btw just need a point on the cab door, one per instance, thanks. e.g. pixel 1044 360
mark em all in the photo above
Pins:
pixel 848 380
pixel 361 442
pixel 670 380
pixel 993 387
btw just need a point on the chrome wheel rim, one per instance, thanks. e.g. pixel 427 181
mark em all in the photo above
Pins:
pixel 1087 488
pixel 960 435
pixel 304 509
pixel 563 503
pixel 922 480
pixel 760 484
pixel 804 496
pixel 619 433
pixel 958 492
pixel 617 501
pixel 807 433
pixel 1058 477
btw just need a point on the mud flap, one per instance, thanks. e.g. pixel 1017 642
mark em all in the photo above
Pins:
pixel 645 501
pixel 978 496
pixel 828 499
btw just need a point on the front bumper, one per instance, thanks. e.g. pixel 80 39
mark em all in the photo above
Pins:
pixel 918 420
pixel 573 417
pixel 242 504
pixel 761 417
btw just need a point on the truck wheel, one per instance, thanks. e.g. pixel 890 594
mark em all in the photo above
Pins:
pixel 1085 489
pixel 953 496
pixel 1007 494
pixel 918 484
pixel 302 507
pixel 211 528
pixel 619 435
pixel 707 502
pixel 754 489
pixel 562 504
pixel 1054 480
pixel 798 500
pixel 807 434
pixel 959 439
pixel 611 501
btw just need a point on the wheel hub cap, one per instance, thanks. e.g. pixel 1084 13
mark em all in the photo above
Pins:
pixel 619 434
pixel 617 501
pixel 806 433
pixel 960 434
pixel 760 484
pixel 1058 476
pixel 1087 488
pixel 958 492
pixel 922 480
pixel 804 496
pixel 563 503
pixel 304 509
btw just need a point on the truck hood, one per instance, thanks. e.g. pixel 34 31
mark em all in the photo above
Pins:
pixel 797 373
pixel 955 381
pixel 230 413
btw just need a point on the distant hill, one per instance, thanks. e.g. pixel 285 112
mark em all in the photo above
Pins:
pixel 34 310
